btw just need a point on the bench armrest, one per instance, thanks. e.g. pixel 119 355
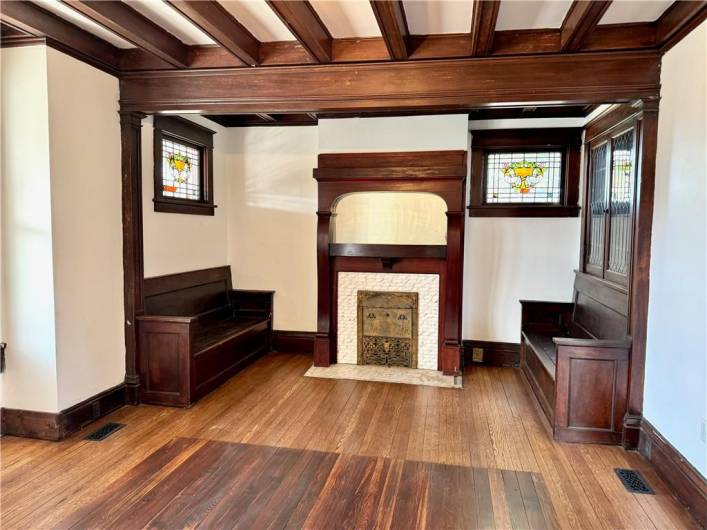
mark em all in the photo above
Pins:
pixel 548 313
pixel 623 344
pixel 252 303
pixel 168 319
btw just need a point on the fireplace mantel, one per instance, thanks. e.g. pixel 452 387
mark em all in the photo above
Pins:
pixel 387 251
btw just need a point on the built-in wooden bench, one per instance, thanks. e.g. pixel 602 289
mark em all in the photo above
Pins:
pixel 575 356
pixel 197 331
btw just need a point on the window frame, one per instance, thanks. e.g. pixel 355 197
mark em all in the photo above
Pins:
pixel 193 135
pixel 568 141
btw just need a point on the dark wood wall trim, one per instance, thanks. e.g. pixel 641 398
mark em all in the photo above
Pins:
pixel 686 483
pixel 293 341
pixel 59 425
pixel 493 353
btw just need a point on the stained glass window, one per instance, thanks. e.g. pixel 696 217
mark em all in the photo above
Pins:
pixel 531 177
pixel 597 204
pixel 181 170
pixel 621 199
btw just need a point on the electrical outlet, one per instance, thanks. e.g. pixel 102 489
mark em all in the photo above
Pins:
pixel 477 355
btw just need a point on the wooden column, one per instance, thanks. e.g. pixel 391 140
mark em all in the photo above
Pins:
pixel 451 355
pixel 323 347
pixel 640 276
pixel 133 263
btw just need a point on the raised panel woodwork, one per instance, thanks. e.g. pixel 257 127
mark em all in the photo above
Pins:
pixel 163 364
pixel 590 377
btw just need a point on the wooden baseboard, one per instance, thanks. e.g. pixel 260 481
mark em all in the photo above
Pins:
pixel 56 426
pixel 493 353
pixel 293 341
pixel 686 483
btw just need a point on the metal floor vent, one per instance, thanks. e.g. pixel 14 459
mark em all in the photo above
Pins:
pixel 104 432
pixel 633 481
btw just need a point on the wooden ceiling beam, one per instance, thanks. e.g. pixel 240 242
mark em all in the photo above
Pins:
pixel 677 21
pixel 582 18
pixel 579 78
pixel 61 34
pixel 132 26
pixel 304 23
pixel 212 18
pixel 390 15
pixel 483 26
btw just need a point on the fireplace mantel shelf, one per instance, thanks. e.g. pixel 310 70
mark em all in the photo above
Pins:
pixel 387 251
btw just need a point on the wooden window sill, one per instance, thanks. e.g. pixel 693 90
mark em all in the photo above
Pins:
pixel 184 206
pixel 507 210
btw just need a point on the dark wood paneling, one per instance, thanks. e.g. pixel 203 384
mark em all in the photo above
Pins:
pixel 390 15
pixel 677 21
pixel 58 426
pixel 293 341
pixel 483 26
pixel 685 482
pixel 460 83
pixel 494 353
pixel 304 23
pixel 580 21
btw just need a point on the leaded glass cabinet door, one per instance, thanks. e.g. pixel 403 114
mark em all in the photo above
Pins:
pixel 621 207
pixel 598 204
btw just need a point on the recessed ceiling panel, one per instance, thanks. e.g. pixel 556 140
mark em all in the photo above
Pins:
pixel 532 14
pixel 259 19
pixel 426 17
pixel 68 14
pixel 347 18
pixel 624 11
pixel 171 20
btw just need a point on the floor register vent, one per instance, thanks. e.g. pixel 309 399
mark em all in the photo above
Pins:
pixel 104 432
pixel 633 481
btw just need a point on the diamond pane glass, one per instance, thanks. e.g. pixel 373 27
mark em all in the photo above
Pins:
pixel 524 177
pixel 621 200
pixel 181 171
pixel 597 205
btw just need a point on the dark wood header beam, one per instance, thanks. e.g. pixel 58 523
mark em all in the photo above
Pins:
pixel 426 85
pixel 483 26
pixel 390 15
pixel 581 19
pixel 677 21
pixel 63 35
pixel 124 21
pixel 304 23
pixel 218 23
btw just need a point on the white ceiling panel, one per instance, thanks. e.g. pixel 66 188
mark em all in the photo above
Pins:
pixel 622 11
pixel 532 14
pixel 347 18
pixel 438 16
pixel 68 14
pixel 259 19
pixel 171 20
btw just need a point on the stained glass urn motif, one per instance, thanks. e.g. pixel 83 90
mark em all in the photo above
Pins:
pixel 180 166
pixel 523 176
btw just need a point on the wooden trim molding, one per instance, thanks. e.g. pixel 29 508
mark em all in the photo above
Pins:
pixel 492 353
pixel 293 341
pixel 686 483
pixel 57 426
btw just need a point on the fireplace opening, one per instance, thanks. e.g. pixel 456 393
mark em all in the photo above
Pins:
pixel 387 328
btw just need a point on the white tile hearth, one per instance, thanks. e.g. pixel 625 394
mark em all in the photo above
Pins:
pixel 385 374
pixel 427 287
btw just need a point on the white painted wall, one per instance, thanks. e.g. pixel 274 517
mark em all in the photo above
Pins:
pixel 86 228
pixel 272 222
pixel 675 398
pixel 30 381
pixel 178 242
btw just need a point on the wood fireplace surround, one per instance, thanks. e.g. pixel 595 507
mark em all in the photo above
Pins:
pixel 442 173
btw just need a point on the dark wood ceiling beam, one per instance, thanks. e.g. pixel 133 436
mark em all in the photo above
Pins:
pixel 266 118
pixel 677 21
pixel 61 34
pixel 212 18
pixel 442 84
pixel 581 19
pixel 483 26
pixel 390 15
pixel 304 23
pixel 132 26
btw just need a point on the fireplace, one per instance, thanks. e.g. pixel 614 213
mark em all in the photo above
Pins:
pixel 387 328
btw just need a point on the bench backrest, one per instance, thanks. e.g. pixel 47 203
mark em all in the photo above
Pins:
pixel 600 308
pixel 188 293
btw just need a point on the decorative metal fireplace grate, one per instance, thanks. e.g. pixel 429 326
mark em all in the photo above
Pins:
pixel 387 328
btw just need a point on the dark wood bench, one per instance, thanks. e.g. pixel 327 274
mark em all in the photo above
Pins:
pixel 197 331
pixel 576 356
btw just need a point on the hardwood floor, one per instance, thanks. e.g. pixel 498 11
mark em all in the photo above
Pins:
pixel 273 449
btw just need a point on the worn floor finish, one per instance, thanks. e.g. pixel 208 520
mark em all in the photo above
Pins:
pixel 331 454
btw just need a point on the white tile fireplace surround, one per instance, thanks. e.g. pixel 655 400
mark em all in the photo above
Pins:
pixel 427 287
